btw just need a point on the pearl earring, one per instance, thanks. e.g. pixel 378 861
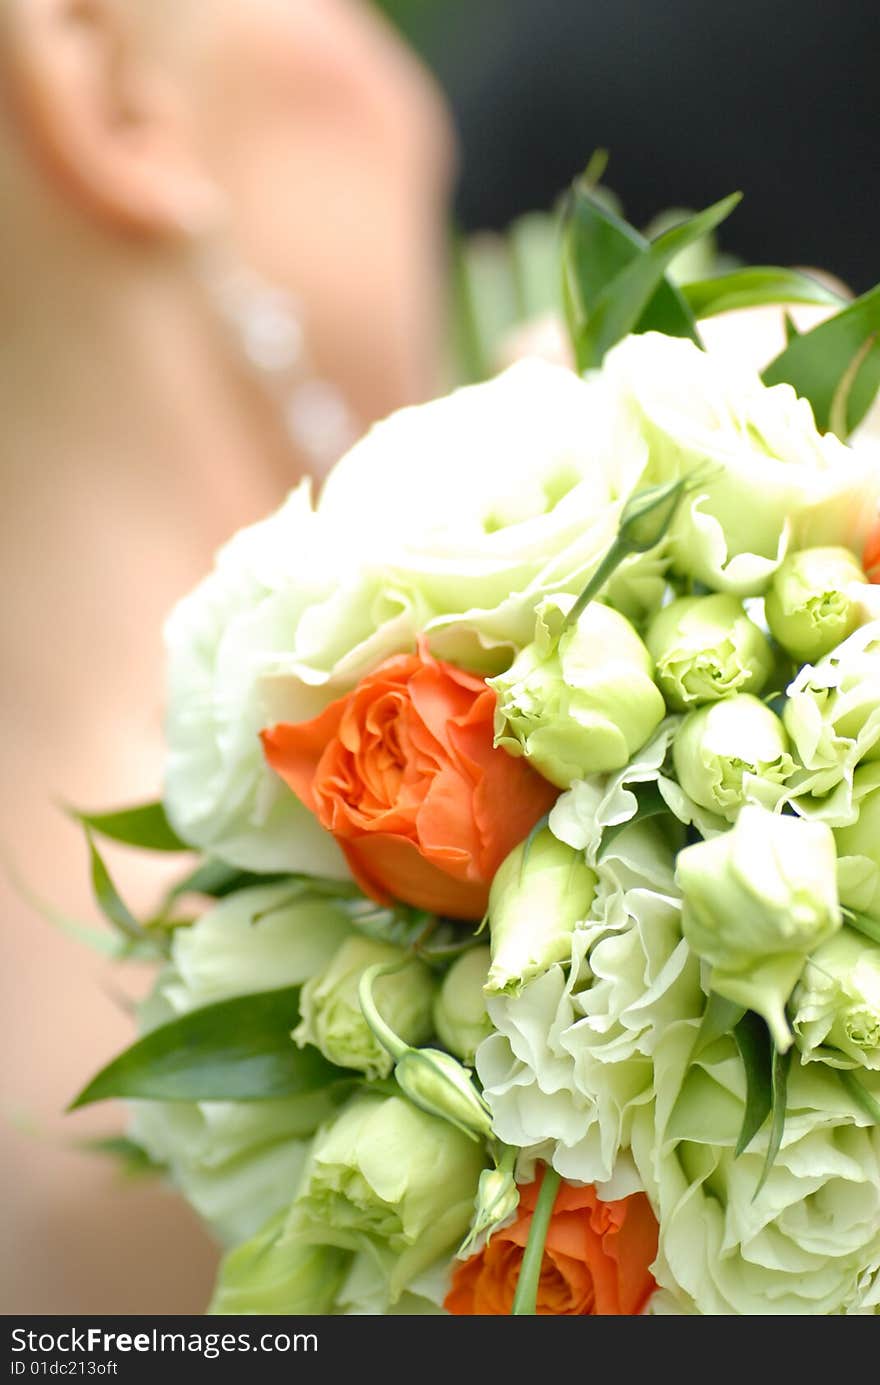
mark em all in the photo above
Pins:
pixel 267 326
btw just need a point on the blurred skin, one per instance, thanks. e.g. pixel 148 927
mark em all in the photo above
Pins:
pixel 298 137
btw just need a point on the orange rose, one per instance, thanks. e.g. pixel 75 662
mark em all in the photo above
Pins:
pixel 404 774
pixel 597 1259
pixel 871 557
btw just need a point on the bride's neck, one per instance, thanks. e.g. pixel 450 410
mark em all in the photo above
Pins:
pixel 140 401
pixel 130 448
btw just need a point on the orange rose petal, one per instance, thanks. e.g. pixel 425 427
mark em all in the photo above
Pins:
pixel 871 556
pixel 379 857
pixel 294 751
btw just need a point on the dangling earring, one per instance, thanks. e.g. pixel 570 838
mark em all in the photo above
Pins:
pixel 267 328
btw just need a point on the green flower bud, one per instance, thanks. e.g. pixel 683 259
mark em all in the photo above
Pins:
pixel 730 753
pixel 439 1085
pixel 433 1080
pixel 540 893
pixel 578 700
pixel 858 846
pixel 460 1017
pixel 837 1004
pixel 497 1201
pixel 758 900
pixel 649 513
pixel 706 648
pixel 274 1274
pixel 331 1016
pixel 388 1177
pixel 813 601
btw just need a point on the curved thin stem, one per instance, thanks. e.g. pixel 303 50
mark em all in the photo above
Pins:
pixel 391 1042
pixel 526 1296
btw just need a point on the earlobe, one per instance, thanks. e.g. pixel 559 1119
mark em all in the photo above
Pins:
pixel 103 117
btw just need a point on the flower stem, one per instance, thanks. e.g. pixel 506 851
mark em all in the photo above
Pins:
pixel 391 1042
pixel 526 1296
pixel 606 569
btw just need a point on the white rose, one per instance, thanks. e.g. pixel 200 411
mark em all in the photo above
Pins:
pixel 773 482
pixel 483 502
pixel 809 1242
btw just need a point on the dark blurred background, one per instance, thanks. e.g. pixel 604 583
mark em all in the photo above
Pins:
pixel 693 98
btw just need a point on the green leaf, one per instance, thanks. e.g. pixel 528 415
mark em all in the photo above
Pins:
pixel 111 903
pixel 781 1066
pixel 597 246
pixel 751 288
pixel 132 1159
pixel 621 306
pixel 719 1017
pixel 816 363
pixel 860 1094
pixel 651 804
pixel 756 1050
pixel 235 1050
pixel 217 880
pixel 145 826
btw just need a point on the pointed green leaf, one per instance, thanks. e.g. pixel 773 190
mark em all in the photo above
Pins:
pixel 109 900
pixel 719 1017
pixel 756 1050
pixel 621 306
pixel 131 1159
pixel 236 1050
pixel 816 362
pixel 754 287
pixel 145 826
pixel 651 803
pixel 217 880
pixel 781 1066
pixel 597 246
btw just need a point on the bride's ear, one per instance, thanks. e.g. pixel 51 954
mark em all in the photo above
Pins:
pixel 109 124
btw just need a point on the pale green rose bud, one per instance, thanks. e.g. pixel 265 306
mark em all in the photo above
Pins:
pixel 813 601
pixel 858 846
pixel 497 1202
pixel 388 1177
pixel 434 1081
pixel 837 1004
pixel 439 1085
pixel 580 699
pixel 706 648
pixel 540 893
pixel 757 901
pixel 276 1275
pixel 648 514
pixel 730 753
pixel 461 1020
pixel 331 1016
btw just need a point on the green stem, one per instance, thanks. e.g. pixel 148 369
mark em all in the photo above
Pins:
pixel 390 1041
pixel 606 569
pixel 526 1296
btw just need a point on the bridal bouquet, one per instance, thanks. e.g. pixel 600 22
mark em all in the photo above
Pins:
pixel 532 964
